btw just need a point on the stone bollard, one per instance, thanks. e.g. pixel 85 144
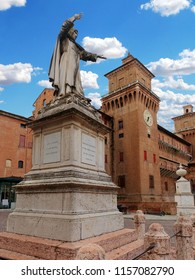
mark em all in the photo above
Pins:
pixel 193 229
pixel 184 248
pixel 160 239
pixel 140 223
pixel 91 252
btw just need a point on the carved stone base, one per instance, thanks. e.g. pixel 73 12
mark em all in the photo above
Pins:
pixel 67 195
pixel 68 212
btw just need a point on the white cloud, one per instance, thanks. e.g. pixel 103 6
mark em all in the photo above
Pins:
pixel 45 84
pixel 171 104
pixel 37 71
pixel 170 86
pixel 7 4
pixel 172 97
pixel 166 7
pixel 89 79
pixel 166 113
pixel 1 89
pixel 170 82
pixel 193 9
pixel 95 99
pixel 16 73
pixel 167 66
pixel 108 47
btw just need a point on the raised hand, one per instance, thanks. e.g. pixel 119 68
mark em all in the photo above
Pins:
pixel 78 16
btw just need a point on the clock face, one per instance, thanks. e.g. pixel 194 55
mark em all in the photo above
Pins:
pixel 148 118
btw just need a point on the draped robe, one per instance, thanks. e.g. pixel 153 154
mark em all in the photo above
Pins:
pixel 65 62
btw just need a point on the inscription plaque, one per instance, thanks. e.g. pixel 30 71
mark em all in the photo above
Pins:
pixel 51 147
pixel 88 149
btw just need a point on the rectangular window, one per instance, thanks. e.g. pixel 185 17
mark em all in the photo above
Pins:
pixel 20 164
pixel 22 141
pixel 121 82
pixel 121 156
pixel 151 181
pixel 8 163
pixel 120 124
pixel 121 181
pixel 145 155
pixel 121 135
pixel 23 125
pixel 106 158
pixel 111 86
pixel 154 158
pixel 166 186
pixel 185 124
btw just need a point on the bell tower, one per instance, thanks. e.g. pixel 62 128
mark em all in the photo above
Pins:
pixel 133 107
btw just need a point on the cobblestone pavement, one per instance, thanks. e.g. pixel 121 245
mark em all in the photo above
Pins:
pixel 167 222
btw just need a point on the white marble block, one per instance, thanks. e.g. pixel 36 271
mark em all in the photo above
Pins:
pixel 184 196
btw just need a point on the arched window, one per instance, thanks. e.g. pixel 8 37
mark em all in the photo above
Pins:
pixel 44 102
pixel 112 104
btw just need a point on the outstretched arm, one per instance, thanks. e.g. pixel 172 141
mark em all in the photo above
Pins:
pixel 75 17
pixel 87 56
pixel 101 56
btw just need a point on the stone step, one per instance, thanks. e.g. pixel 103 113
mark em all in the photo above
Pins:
pixel 127 252
pixel 28 245
pixel 42 248
pixel 10 255
pixel 113 240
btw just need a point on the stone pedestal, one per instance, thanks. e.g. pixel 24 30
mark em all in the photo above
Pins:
pixel 140 223
pixel 184 196
pixel 184 238
pixel 67 195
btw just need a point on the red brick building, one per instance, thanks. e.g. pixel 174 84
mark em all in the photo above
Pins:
pixel 143 155
pixel 16 153
pixel 185 129
pixel 42 100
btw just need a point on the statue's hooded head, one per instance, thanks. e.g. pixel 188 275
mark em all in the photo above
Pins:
pixel 73 33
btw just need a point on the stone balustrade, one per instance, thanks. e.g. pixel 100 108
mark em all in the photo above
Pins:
pixel 157 243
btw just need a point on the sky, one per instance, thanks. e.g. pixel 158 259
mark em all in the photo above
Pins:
pixel 159 33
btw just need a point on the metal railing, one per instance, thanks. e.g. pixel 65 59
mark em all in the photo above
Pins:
pixel 176 234
pixel 152 245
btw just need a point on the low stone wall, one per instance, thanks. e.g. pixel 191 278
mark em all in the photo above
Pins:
pixel 149 207
pixel 157 243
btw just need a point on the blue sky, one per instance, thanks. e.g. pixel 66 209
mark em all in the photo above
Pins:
pixel 160 33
